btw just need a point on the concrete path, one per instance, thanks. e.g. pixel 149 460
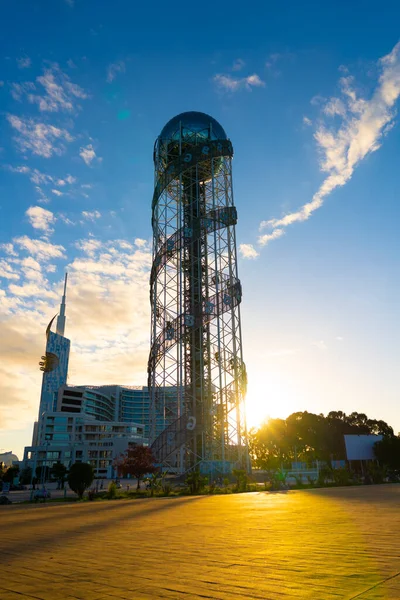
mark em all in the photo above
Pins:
pixel 341 543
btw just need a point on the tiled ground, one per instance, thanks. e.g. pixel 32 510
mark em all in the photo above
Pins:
pixel 341 543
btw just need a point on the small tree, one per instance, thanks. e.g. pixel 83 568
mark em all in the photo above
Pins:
pixel 137 462
pixel 25 475
pixel 10 474
pixel 196 482
pixel 42 474
pixel 80 477
pixel 59 472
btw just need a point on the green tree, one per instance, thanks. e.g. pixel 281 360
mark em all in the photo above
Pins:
pixel 136 462
pixel 59 473
pixel 195 481
pixel 11 474
pixel 42 474
pixel 80 477
pixel 25 475
pixel 387 451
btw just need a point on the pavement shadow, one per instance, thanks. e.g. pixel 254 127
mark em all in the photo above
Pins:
pixel 30 544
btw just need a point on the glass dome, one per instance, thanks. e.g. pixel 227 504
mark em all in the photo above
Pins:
pixel 192 122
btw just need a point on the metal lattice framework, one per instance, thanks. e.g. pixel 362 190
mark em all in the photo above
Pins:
pixel 197 377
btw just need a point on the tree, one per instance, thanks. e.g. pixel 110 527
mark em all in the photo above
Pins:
pixel 387 451
pixel 80 477
pixel 25 476
pixel 59 472
pixel 137 462
pixel 10 474
pixel 308 437
pixel 42 474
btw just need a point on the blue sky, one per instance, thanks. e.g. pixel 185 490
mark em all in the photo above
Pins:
pixel 308 94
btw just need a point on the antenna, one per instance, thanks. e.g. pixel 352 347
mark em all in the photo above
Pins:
pixel 61 317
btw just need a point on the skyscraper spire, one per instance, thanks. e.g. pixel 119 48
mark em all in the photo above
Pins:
pixel 61 317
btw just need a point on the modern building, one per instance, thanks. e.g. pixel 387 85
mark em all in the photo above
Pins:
pixel 8 458
pixel 71 437
pixel 55 362
pixel 86 423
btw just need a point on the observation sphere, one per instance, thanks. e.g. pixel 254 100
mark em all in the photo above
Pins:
pixel 193 122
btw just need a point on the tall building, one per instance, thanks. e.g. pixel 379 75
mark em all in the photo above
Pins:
pixel 195 294
pixel 54 363
pixel 82 423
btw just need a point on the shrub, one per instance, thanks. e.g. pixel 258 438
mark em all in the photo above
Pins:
pixel 112 491
pixel 80 477
pixel 196 482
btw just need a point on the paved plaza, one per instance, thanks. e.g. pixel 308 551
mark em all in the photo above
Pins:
pixel 318 544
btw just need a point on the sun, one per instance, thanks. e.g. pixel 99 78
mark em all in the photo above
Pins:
pixel 269 397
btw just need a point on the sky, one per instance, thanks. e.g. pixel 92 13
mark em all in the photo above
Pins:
pixel 307 92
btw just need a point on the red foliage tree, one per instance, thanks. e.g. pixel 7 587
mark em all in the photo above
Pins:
pixel 136 462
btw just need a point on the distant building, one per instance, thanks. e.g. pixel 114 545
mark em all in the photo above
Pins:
pixel 8 458
pixel 70 438
pixel 86 423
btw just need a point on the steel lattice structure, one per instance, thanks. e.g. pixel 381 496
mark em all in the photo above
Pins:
pixel 196 374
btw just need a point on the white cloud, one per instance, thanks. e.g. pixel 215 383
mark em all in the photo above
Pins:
pixel 320 345
pixel 8 249
pixel 40 218
pixel 113 69
pixel 91 216
pixel 233 84
pixel 57 192
pixel 88 154
pixel 238 64
pixel 6 270
pixel 140 243
pixel 248 251
pixel 19 90
pixel 307 121
pixel 108 312
pixel 60 93
pixel 41 250
pixel 24 62
pixel 38 138
pixel 364 123
pixel 65 219
pixel 263 240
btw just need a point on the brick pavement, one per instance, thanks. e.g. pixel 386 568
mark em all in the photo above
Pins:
pixel 338 543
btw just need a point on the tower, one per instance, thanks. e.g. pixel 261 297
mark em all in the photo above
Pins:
pixel 196 374
pixel 54 363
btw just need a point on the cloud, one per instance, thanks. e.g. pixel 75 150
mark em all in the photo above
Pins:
pixel 263 240
pixel 88 154
pixel 113 69
pixel 60 93
pixel 41 250
pixel 8 249
pixel 320 345
pixel 40 218
pixel 362 127
pixel 248 251
pixel 108 313
pixel 19 90
pixel 238 64
pixel 232 84
pixel 6 271
pixel 57 192
pixel 139 243
pixel 91 216
pixel 307 121
pixel 24 62
pixel 38 138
